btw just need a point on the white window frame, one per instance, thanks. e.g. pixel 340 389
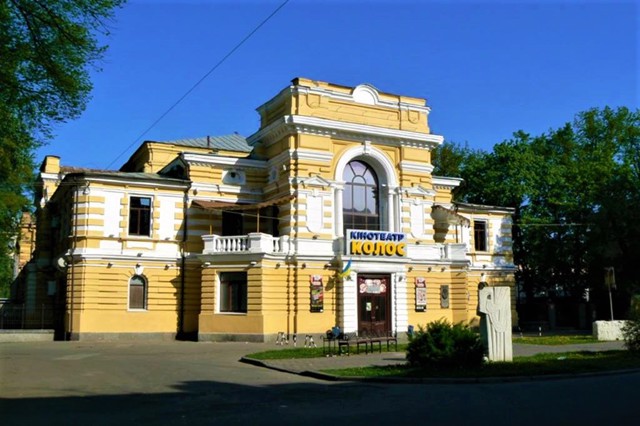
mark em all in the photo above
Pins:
pixel 145 296
pixel 151 200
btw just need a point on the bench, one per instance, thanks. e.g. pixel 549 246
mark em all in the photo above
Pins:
pixel 343 343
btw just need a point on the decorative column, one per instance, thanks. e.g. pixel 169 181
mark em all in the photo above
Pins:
pixel 349 314
pixel 391 208
pixel 337 213
pixel 400 318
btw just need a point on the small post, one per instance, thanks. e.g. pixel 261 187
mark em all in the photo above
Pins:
pixel 610 282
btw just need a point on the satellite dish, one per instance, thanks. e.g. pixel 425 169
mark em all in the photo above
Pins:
pixel 62 263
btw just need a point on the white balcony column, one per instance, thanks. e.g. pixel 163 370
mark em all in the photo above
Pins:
pixel 260 243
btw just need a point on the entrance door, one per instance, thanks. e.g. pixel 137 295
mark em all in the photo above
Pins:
pixel 374 305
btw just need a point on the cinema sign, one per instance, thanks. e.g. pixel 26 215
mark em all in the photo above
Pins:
pixel 376 243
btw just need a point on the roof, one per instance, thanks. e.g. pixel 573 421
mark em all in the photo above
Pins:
pixel 222 205
pixel 70 171
pixel 483 207
pixel 233 142
pixel 444 214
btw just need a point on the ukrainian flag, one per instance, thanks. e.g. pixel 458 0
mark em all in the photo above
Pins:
pixel 346 270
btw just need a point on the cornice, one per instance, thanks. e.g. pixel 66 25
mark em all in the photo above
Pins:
pixel 440 182
pixel 417 191
pixel 353 97
pixel 300 124
pixel 208 160
pixel 411 166
pixel 361 94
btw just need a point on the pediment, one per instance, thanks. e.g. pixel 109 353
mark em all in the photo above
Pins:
pixel 315 181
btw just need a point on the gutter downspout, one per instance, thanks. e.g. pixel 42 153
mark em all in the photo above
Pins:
pixel 295 163
pixel 74 243
pixel 183 262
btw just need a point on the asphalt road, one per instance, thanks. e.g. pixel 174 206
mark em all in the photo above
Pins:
pixel 178 383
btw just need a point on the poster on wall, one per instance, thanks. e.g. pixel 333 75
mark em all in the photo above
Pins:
pixel 317 293
pixel 444 296
pixel 373 285
pixel 421 294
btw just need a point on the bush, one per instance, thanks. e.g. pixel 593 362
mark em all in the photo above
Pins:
pixel 444 345
pixel 631 334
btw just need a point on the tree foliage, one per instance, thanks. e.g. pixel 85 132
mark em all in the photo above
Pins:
pixel 444 345
pixel 576 191
pixel 46 48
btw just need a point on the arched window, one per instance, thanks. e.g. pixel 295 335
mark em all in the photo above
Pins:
pixel 137 292
pixel 361 200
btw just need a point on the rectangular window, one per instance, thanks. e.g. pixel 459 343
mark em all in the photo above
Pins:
pixel 233 292
pixel 140 216
pixel 480 235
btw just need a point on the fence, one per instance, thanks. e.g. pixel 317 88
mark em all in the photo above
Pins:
pixel 20 317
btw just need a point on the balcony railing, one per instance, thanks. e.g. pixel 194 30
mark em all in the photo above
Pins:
pixel 255 242
pixel 264 243
pixel 232 244
pixel 453 251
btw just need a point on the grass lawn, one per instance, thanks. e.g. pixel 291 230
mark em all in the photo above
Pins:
pixel 556 340
pixel 301 352
pixel 541 364
pixel 295 353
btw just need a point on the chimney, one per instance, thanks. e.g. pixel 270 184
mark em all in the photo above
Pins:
pixel 50 164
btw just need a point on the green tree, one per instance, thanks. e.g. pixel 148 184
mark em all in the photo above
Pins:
pixel 576 191
pixel 448 159
pixel 47 47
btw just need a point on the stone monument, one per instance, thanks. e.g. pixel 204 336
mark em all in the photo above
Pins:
pixel 494 307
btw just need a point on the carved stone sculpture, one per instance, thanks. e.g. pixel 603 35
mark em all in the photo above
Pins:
pixel 494 307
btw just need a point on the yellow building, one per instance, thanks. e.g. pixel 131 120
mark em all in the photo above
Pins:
pixel 327 215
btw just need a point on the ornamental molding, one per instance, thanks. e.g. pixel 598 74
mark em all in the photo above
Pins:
pixel 448 183
pixel 417 191
pixel 210 160
pixel 199 187
pixel 51 176
pixel 364 94
pixel 298 124
pixel 412 166
pixel 314 181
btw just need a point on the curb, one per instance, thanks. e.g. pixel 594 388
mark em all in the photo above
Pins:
pixel 436 380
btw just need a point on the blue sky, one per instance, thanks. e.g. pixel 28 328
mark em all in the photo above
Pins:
pixel 486 68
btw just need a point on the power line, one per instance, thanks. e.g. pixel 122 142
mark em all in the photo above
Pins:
pixel 188 92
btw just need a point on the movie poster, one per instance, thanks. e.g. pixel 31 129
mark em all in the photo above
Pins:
pixel 317 293
pixel 421 294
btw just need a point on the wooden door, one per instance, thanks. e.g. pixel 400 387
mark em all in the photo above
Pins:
pixel 374 305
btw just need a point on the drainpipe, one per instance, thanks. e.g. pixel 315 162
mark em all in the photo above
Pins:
pixel 74 243
pixel 183 261
pixel 295 244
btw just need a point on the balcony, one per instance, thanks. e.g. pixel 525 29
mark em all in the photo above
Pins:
pixel 258 242
pixel 438 252
pixel 255 242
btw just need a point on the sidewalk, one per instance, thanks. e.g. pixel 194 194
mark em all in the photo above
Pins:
pixel 302 365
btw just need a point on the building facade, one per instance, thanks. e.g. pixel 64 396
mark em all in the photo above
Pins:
pixel 328 215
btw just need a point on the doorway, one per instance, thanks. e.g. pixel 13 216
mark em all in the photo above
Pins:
pixel 374 305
